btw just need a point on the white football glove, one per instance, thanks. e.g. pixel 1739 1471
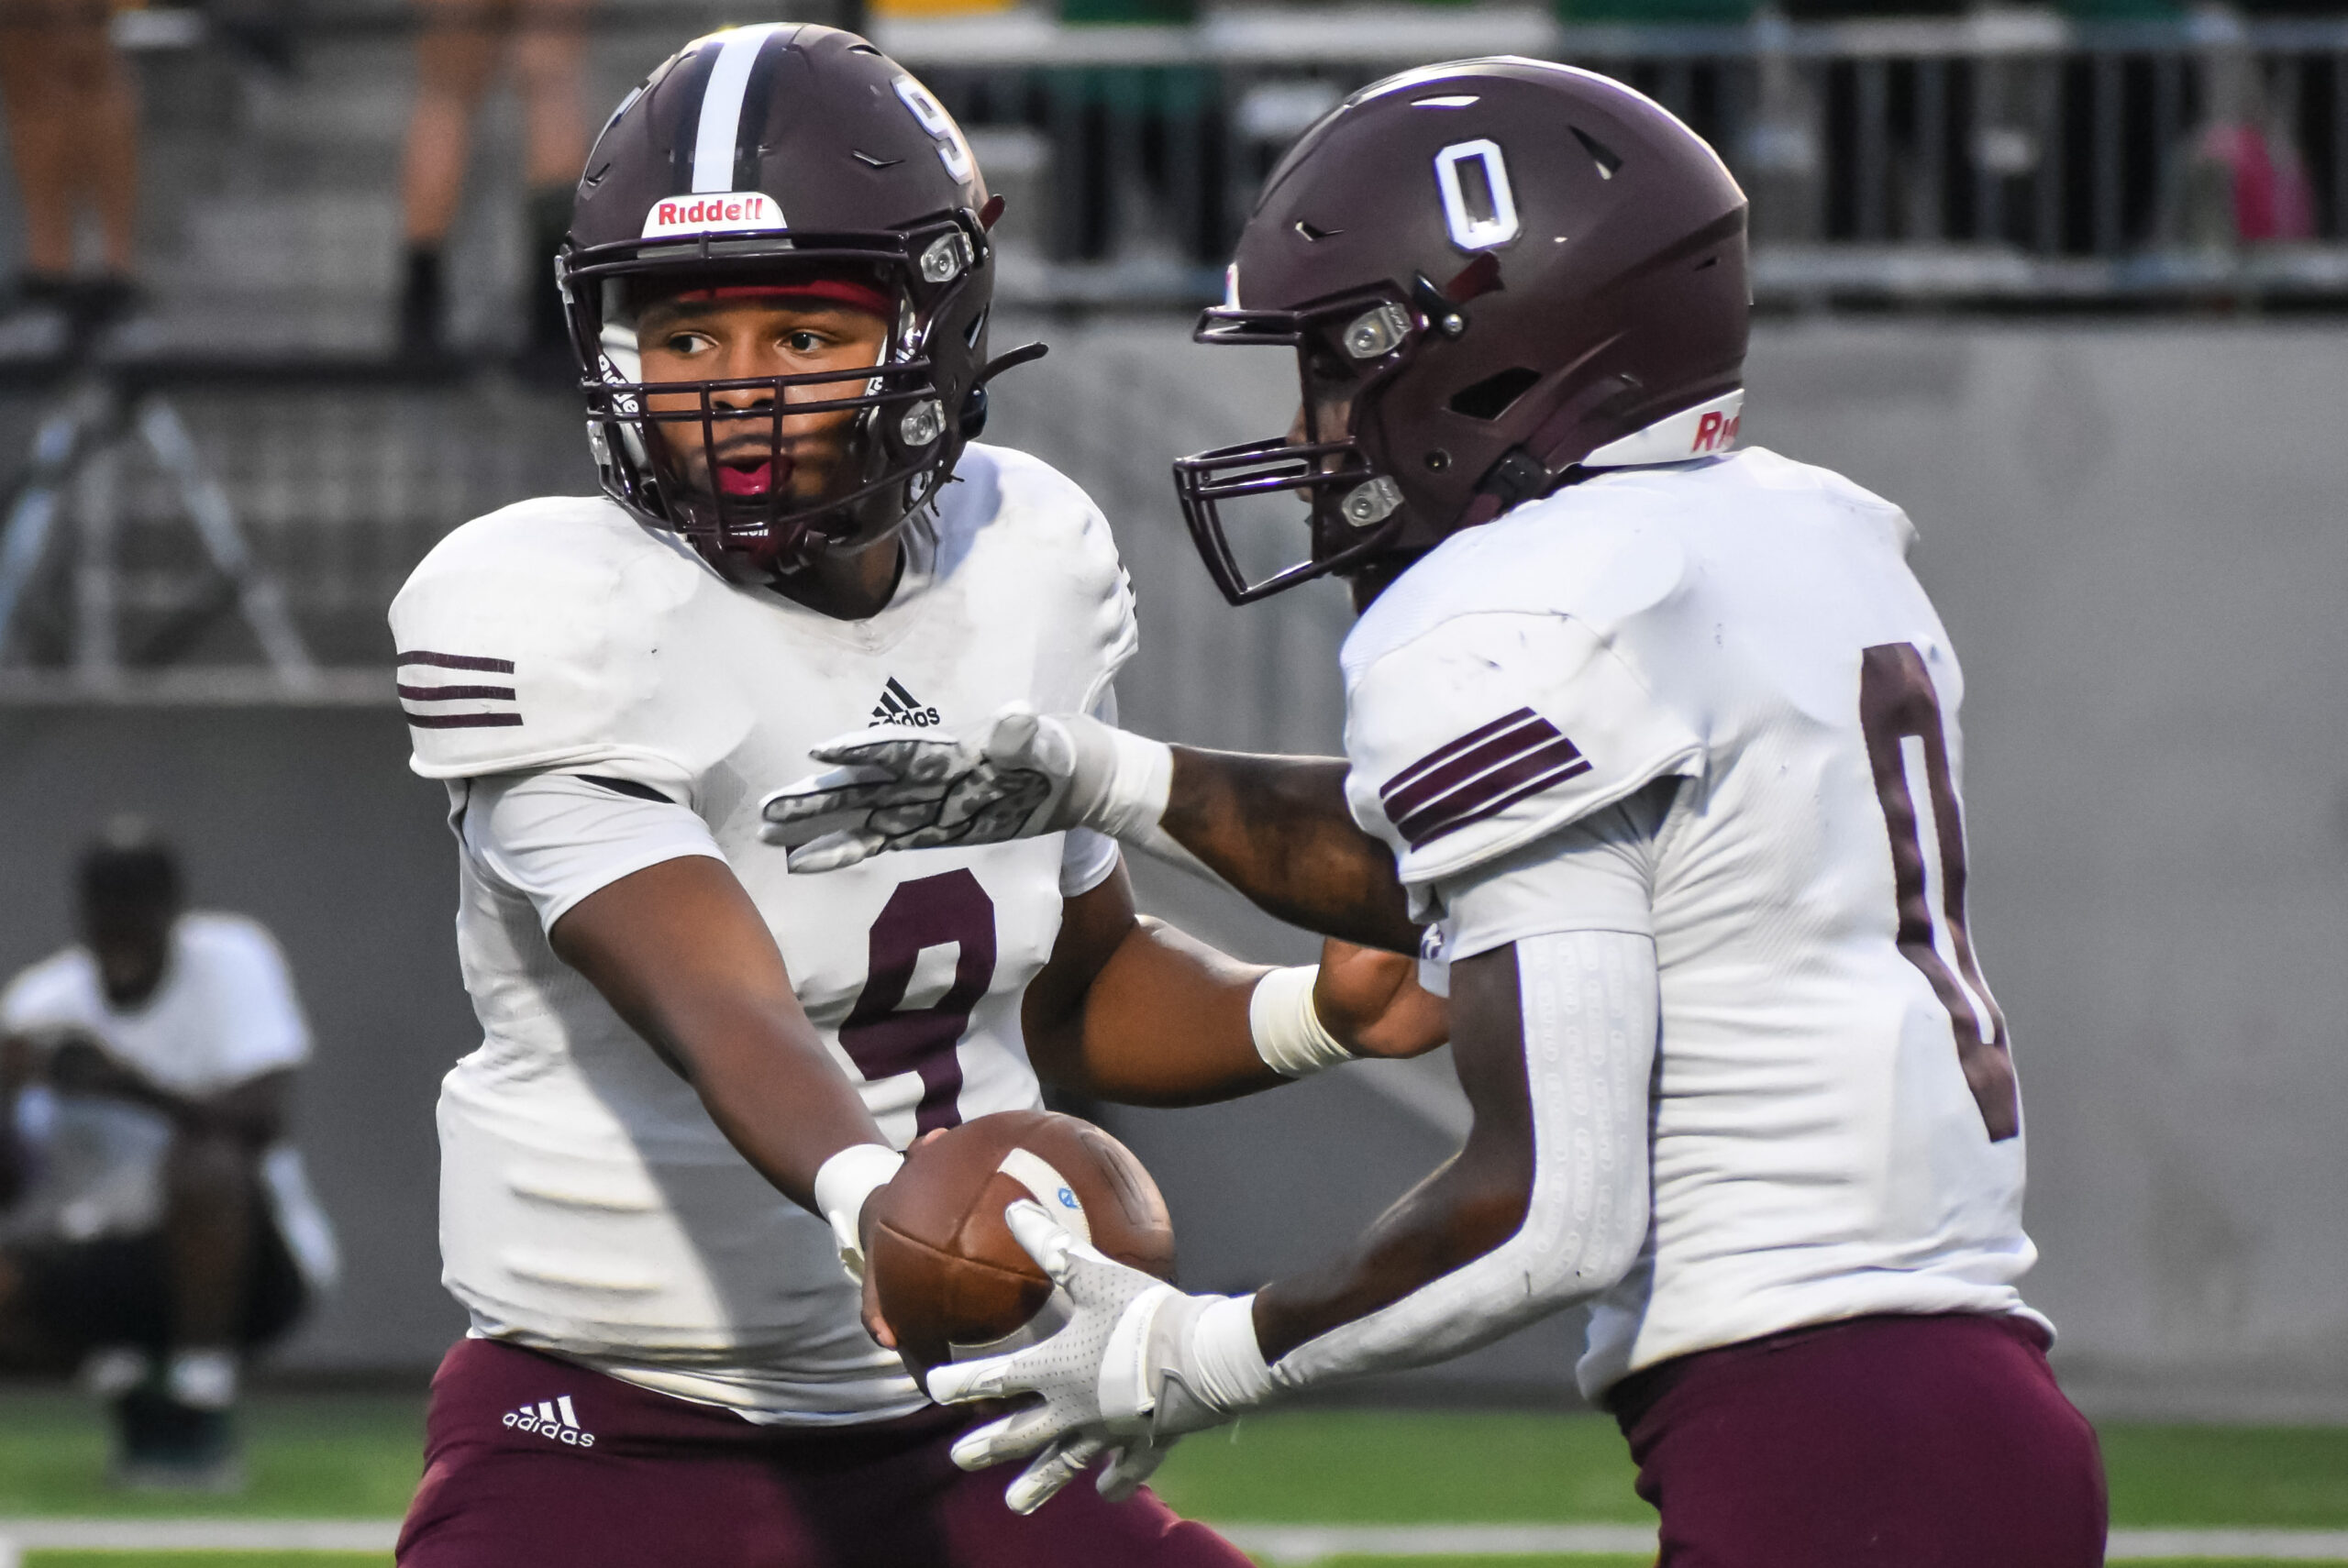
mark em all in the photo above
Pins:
pixel 1018 775
pixel 1138 1365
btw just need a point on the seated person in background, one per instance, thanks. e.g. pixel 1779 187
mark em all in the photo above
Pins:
pixel 154 1226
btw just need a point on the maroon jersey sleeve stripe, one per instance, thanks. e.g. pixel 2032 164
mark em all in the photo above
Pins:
pixel 458 661
pixel 1535 734
pixel 1450 749
pixel 457 694
pixel 462 721
pixel 1493 793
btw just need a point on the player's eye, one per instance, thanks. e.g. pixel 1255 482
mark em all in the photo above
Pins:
pixel 688 343
pixel 803 341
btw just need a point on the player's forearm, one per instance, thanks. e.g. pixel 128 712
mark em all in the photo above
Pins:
pixel 1165 1021
pixel 771 1088
pixel 1547 1203
pixel 686 961
pixel 1464 1211
pixel 1277 828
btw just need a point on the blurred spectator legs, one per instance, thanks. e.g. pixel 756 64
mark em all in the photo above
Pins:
pixel 211 1200
pixel 74 134
pixel 1782 157
pixel 457 58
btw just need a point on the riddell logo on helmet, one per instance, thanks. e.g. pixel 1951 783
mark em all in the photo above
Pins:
pixel 714 213
pixel 1716 432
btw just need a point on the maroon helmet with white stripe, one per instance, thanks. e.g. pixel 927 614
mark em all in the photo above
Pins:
pixel 796 156
pixel 1496 275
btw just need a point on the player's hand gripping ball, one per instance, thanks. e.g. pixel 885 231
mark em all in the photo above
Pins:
pixel 952 1281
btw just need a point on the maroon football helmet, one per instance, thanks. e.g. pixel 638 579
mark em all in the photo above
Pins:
pixel 1496 275
pixel 783 159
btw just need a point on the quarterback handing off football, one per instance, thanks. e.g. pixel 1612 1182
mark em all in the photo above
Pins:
pixel 952 1280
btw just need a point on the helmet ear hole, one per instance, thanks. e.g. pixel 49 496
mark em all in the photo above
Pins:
pixel 1495 394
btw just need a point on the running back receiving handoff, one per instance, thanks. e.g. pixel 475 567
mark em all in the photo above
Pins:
pixel 1659 740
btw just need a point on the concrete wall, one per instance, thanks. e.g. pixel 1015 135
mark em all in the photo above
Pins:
pixel 2135 534
pixel 311 821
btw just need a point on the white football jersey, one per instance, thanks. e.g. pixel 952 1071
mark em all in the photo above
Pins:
pixel 1836 1130
pixel 589 1206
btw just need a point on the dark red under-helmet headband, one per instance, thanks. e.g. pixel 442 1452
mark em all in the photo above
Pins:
pixel 866 297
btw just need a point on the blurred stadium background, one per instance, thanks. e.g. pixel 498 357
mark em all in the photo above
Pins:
pixel 2069 284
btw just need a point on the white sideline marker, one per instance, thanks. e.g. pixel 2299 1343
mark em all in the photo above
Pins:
pixel 1278 1543
pixel 20 1536
pixel 1299 1544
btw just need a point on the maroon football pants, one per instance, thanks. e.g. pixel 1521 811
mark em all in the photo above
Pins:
pixel 1882 1442
pixel 530 1459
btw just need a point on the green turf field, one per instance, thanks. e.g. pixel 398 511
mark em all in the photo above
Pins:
pixel 356 1457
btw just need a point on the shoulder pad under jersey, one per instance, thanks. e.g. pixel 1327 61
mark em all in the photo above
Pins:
pixel 1490 698
pixel 1069 574
pixel 534 637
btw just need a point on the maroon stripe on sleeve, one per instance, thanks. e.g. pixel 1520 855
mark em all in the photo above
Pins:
pixel 1529 736
pixel 1493 793
pixel 458 661
pixel 1450 749
pixel 462 721
pixel 458 693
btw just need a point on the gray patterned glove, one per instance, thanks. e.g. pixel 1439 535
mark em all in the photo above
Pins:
pixel 1020 774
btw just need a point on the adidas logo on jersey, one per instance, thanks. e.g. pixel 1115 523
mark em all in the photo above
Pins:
pixel 554 1419
pixel 899 706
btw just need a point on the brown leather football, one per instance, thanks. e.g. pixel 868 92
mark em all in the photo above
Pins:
pixel 952 1282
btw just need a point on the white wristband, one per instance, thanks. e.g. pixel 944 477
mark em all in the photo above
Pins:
pixel 1223 1353
pixel 1288 1032
pixel 1138 786
pixel 1132 777
pixel 842 1184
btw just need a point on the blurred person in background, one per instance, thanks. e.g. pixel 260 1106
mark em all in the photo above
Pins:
pixel 456 56
pixel 155 1227
pixel 72 117
pixel 2242 178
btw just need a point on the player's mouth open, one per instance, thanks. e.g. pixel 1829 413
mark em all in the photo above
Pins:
pixel 748 478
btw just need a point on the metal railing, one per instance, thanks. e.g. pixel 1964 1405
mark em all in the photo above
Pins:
pixel 2009 155
pixel 2012 154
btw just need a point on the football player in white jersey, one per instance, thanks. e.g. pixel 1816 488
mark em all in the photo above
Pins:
pixel 697 1067
pixel 1657 739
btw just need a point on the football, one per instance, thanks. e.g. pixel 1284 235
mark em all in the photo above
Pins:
pixel 952 1281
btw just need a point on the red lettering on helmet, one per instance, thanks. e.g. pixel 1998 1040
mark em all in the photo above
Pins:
pixel 1708 432
pixel 733 212
pixel 1728 431
pixel 668 212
